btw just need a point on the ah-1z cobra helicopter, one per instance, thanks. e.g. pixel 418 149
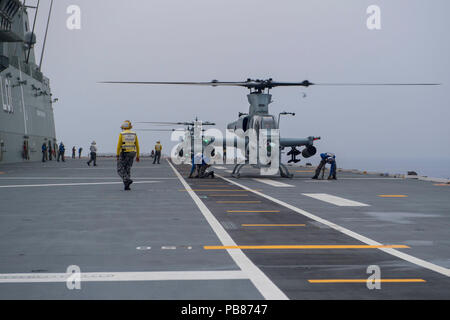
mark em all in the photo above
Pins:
pixel 258 116
pixel 187 136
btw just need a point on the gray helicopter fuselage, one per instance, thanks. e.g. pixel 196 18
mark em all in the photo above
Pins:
pixel 258 114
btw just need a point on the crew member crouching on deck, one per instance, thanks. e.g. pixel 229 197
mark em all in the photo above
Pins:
pixel 327 158
pixel 127 149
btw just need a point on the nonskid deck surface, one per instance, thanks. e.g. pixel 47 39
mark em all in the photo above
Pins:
pixel 224 238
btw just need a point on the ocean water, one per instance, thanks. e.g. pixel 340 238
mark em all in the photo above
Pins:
pixel 430 167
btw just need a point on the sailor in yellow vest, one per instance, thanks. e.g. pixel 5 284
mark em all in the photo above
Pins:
pixel 127 149
pixel 158 148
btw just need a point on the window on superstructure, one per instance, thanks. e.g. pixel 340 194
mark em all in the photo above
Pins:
pixel 5 106
pixel 9 89
pixel 5 86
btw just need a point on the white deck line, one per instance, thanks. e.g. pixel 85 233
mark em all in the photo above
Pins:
pixel 338 201
pixel 264 285
pixel 394 252
pixel 79 178
pixel 344 178
pixel 107 168
pixel 123 276
pixel 273 183
pixel 69 184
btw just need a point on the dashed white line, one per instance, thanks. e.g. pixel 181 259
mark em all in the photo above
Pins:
pixel 338 201
pixel 394 252
pixel 341 178
pixel 274 183
pixel 219 167
pixel 168 248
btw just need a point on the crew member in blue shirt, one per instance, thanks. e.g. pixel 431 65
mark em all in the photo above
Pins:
pixel 327 158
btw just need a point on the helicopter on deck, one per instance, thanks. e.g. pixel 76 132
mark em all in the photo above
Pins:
pixel 192 132
pixel 258 118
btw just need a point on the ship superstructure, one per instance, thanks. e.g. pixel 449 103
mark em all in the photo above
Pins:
pixel 26 115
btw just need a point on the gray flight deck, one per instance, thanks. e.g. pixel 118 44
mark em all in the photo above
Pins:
pixel 165 241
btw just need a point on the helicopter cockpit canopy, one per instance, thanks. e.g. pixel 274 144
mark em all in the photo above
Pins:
pixel 268 122
pixel 264 122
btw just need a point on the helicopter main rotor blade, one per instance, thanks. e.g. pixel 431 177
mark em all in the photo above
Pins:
pixel 166 130
pixel 213 83
pixel 377 84
pixel 250 84
pixel 259 84
pixel 170 130
pixel 162 123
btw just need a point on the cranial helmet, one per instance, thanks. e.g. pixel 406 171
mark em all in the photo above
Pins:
pixel 126 125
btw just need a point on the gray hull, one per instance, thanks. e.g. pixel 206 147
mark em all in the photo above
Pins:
pixel 26 112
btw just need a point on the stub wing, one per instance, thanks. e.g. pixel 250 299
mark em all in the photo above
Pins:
pixel 307 152
pixel 298 142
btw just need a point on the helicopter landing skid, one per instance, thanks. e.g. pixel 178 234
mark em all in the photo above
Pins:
pixel 284 172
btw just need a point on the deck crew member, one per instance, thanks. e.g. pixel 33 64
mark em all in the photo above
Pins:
pixel 197 161
pixel 202 173
pixel 44 151
pixel 158 148
pixel 50 151
pixel 93 154
pixel 73 152
pixel 25 153
pixel 61 152
pixel 327 158
pixel 79 152
pixel 55 150
pixel 127 150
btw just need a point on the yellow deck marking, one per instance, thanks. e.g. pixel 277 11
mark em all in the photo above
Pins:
pixel 393 195
pixel 250 211
pixel 436 184
pixel 233 201
pixel 309 171
pixel 305 247
pixel 364 280
pixel 273 225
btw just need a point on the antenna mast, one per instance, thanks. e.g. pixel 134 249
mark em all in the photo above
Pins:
pixel 32 32
pixel 45 38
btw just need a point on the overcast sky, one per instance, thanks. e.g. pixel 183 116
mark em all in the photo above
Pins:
pixel 232 40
